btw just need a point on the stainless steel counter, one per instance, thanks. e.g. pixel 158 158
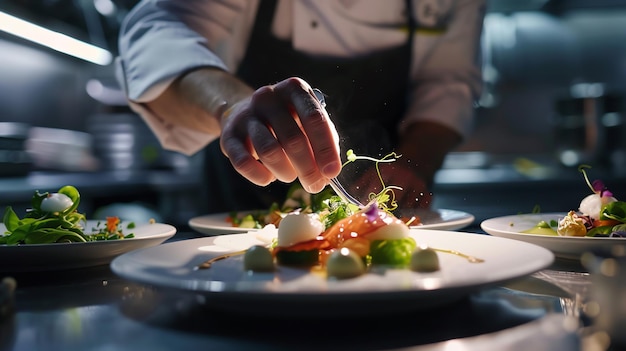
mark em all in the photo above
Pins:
pixel 93 309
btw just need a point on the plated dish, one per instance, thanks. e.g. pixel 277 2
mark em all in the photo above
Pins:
pixel 441 219
pixel 228 286
pixel 568 247
pixel 57 256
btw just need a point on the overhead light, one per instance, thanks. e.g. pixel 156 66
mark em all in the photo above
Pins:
pixel 54 40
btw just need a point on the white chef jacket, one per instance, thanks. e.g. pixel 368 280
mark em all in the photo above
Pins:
pixel 162 39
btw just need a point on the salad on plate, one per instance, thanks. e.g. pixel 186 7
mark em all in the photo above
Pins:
pixel 328 205
pixel 54 218
pixel 599 214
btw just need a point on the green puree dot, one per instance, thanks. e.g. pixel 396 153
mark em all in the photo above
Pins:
pixel 258 259
pixel 424 260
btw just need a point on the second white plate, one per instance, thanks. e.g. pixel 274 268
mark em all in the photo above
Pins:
pixel 567 247
pixel 442 219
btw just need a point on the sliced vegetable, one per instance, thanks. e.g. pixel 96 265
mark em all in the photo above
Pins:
pixel 305 258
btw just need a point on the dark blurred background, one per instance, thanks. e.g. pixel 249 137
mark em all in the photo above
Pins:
pixel 555 83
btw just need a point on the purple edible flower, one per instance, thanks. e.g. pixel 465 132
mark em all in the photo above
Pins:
pixel 598 187
pixel 371 211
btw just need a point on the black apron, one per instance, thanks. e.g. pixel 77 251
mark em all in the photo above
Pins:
pixel 365 96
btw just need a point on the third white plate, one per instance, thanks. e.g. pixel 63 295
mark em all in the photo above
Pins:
pixel 567 247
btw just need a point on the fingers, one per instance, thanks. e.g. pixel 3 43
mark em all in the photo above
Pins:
pixel 291 138
pixel 282 133
pixel 236 145
pixel 315 123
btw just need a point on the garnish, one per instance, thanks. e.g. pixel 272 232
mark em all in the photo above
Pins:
pixel 54 218
pixel 599 215
pixel 597 186
pixel 326 203
pixel 386 198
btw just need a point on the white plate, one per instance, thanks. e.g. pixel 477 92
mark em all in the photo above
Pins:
pixel 216 224
pixel 297 291
pixel 563 246
pixel 43 257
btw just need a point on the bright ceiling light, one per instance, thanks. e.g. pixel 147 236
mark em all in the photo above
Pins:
pixel 54 40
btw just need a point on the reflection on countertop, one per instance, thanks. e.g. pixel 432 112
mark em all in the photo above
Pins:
pixel 82 309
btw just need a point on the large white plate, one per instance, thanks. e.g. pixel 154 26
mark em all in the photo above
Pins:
pixel 563 246
pixel 216 224
pixel 43 257
pixel 297 291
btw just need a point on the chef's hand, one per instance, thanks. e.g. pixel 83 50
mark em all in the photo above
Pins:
pixel 282 133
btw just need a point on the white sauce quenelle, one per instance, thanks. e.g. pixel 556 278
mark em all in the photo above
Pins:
pixel 394 230
pixel 56 202
pixel 592 204
pixel 298 227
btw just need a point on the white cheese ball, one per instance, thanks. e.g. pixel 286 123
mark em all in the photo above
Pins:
pixel 56 202
pixel 298 227
pixel 392 231
pixel 592 204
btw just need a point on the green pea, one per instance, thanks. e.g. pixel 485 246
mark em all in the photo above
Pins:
pixel 344 263
pixel 424 260
pixel 258 259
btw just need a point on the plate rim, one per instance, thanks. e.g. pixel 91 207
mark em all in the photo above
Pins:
pixel 171 232
pixel 563 247
pixel 486 226
pixel 124 265
pixel 52 250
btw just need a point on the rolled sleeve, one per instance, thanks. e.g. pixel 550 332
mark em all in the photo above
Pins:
pixel 173 137
pixel 156 47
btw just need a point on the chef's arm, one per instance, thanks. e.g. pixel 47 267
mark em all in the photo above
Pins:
pixel 441 110
pixel 197 99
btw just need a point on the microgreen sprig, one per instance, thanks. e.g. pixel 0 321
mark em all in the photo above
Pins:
pixel 597 186
pixel 386 198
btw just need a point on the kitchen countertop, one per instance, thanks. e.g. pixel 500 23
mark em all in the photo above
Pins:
pixel 93 309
